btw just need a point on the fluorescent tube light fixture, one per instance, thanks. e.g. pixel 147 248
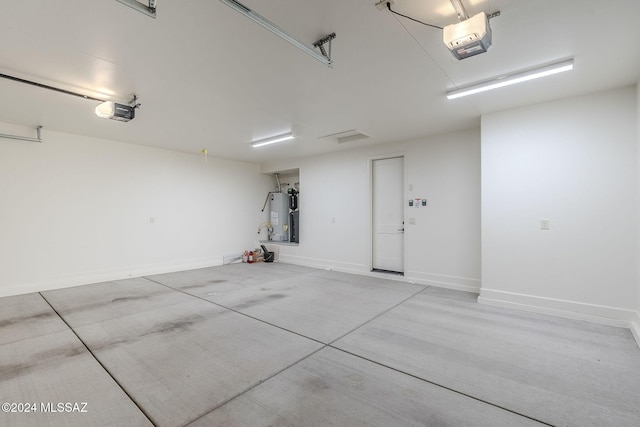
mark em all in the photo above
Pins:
pixel 511 79
pixel 259 19
pixel 273 139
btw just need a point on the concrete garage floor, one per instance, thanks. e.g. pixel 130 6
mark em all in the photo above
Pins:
pixel 282 345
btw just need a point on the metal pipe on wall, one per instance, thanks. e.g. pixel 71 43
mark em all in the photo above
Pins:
pixel 279 189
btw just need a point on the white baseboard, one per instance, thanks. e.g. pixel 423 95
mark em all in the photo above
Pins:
pixel 606 315
pixel 443 281
pixel 635 327
pixel 85 278
pixel 345 267
pixel 426 279
pixel 229 258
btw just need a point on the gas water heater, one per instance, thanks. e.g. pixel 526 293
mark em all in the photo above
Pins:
pixel 279 216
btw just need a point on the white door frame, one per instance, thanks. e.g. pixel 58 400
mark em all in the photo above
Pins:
pixel 370 161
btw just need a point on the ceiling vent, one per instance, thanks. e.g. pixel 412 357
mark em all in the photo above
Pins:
pixel 347 136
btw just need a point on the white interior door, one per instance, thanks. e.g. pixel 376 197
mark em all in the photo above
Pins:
pixel 388 214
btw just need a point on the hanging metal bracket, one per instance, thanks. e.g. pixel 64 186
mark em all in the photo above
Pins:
pixel 460 10
pixel 264 22
pixel 147 10
pixel 24 138
pixel 320 45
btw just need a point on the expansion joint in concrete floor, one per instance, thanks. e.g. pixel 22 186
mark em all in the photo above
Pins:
pixel 440 386
pixel 281 344
pixel 330 344
pixel 236 311
pixel 124 390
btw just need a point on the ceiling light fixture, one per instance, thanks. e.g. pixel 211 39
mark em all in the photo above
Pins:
pixel 259 19
pixel 511 79
pixel 273 139
pixel 140 7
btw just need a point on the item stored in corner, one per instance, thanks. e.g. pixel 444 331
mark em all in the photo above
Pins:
pixel 268 256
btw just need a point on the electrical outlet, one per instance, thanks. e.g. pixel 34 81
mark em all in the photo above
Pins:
pixel 544 224
pixel 412 221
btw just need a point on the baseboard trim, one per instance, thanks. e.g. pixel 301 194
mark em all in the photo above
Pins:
pixel 606 315
pixel 425 279
pixel 635 327
pixel 344 267
pixel 444 281
pixel 85 278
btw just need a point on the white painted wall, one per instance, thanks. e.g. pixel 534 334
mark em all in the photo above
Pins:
pixel 442 248
pixel 635 327
pixel 573 162
pixel 77 210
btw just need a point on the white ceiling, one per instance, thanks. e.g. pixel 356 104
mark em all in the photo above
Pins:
pixel 208 77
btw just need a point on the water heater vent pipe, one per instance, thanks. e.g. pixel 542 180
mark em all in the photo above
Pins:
pixel 279 187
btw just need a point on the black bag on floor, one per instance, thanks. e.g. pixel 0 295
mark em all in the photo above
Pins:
pixel 268 256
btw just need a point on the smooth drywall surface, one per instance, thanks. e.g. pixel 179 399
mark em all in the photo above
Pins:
pixel 636 324
pixel 572 162
pixel 442 247
pixel 77 210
